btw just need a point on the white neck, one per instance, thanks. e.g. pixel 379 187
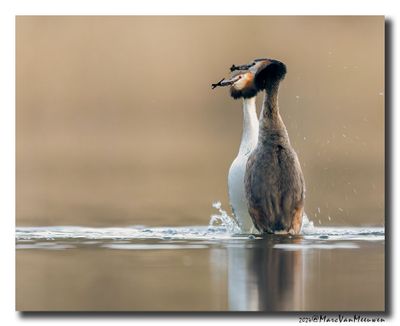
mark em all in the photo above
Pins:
pixel 250 126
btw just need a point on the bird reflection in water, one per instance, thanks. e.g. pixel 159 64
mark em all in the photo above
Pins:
pixel 261 278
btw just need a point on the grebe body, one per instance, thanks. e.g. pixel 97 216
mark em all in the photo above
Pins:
pixel 274 182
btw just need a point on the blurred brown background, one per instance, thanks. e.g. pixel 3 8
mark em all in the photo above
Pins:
pixel 117 123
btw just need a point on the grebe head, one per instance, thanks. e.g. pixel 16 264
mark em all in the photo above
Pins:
pixel 268 73
pixel 247 80
pixel 243 85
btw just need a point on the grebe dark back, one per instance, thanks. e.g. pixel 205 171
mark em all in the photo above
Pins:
pixel 274 182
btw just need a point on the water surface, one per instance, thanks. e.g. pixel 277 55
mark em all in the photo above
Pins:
pixel 199 268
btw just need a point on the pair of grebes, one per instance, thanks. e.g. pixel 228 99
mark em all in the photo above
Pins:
pixel 265 181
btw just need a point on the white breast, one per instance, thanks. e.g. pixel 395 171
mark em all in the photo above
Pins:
pixel 237 196
pixel 236 189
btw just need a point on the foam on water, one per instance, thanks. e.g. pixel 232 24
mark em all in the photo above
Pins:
pixel 129 233
pixel 183 233
pixel 221 227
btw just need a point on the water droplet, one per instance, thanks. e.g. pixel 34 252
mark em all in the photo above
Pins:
pixel 217 205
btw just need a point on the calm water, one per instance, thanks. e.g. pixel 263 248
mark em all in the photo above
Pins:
pixel 199 268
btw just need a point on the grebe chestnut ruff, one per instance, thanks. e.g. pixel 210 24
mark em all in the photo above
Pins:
pixel 273 182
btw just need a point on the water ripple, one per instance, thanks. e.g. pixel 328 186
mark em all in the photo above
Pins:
pixel 184 233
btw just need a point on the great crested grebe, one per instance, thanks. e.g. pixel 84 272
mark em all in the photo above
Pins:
pixel 274 183
pixel 242 87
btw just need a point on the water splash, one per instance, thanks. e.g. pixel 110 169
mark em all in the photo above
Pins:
pixel 223 220
pixel 307 226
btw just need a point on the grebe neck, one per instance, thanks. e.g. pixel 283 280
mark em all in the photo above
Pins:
pixel 250 126
pixel 270 119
